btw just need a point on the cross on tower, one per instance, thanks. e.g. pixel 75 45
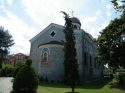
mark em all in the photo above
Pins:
pixel 72 13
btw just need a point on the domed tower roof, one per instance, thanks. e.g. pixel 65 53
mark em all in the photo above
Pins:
pixel 75 20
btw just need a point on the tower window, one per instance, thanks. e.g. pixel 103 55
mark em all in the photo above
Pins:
pixel 85 61
pixel 90 60
pixel 75 26
pixel 52 34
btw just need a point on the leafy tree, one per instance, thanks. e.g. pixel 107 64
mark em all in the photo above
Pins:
pixel 111 43
pixel 119 7
pixel 5 42
pixel 70 62
pixel 26 79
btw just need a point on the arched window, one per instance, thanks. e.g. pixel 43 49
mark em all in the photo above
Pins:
pixel 44 56
pixel 75 26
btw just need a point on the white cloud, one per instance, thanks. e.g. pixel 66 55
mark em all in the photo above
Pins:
pixel 46 11
pixel 18 29
pixel 91 24
pixel 9 1
pixel 94 24
pixel 109 10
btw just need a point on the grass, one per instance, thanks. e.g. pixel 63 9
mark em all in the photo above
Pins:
pixel 99 86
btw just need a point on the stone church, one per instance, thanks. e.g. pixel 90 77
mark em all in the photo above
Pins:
pixel 47 53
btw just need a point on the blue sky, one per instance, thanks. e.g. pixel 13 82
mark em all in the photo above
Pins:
pixel 26 18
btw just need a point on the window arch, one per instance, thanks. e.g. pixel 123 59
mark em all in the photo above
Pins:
pixel 45 55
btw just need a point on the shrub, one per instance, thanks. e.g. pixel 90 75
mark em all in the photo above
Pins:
pixel 19 64
pixel 120 78
pixel 7 70
pixel 26 80
pixel 28 62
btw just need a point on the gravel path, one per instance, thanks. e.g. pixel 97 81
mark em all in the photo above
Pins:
pixel 5 84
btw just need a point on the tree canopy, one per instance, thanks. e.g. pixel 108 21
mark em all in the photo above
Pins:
pixel 111 43
pixel 6 41
pixel 119 5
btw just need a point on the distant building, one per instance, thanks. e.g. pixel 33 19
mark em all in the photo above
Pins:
pixel 12 59
pixel 47 53
pixel 20 56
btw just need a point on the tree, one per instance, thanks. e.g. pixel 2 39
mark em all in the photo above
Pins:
pixel 119 7
pixel 70 62
pixel 6 41
pixel 111 44
pixel 26 80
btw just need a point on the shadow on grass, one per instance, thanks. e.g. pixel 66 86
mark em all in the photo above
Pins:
pixel 117 85
pixel 54 85
pixel 96 84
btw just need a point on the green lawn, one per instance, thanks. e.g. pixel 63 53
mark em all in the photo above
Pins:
pixel 103 86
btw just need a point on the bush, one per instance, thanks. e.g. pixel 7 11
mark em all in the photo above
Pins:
pixel 26 80
pixel 19 64
pixel 16 71
pixel 28 62
pixel 7 70
pixel 120 78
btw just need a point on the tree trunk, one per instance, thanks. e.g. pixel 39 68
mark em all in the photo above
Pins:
pixel 73 90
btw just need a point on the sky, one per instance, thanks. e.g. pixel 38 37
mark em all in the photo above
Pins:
pixel 26 18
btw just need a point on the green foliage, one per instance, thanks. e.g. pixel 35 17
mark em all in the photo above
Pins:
pixel 119 7
pixel 7 70
pixel 5 42
pixel 111 43
pixel 26 80
pixel 120 78
pixel 18 66
pixel 28 62
pixel 70 62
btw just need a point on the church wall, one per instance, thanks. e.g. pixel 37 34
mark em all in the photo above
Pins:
pixel 53 69
pixel 78 37
pixel 89 69
pixel 44 38
pixel 33 55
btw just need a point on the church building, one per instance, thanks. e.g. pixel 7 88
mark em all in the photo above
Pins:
pixel 47 53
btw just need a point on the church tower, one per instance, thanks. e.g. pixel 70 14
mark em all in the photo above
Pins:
pixel 79 44
pixel 76 23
